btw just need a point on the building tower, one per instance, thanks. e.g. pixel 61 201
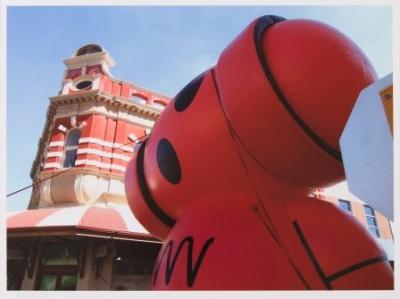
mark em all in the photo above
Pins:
pixel 78 232
pixel 87 137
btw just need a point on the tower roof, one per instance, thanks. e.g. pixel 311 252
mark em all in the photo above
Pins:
pixel 88 49
pixel 90 53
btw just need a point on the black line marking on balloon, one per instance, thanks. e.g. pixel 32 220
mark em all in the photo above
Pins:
pixel 191 271
pixel 356 267
pixel 235 136
pixel 186 96
pixel 151 203
pixel 232 130
pixel 311 255
pixel 299 274
pixel 281 246
pixel 260 28
pixel 268 225
pixel 168 162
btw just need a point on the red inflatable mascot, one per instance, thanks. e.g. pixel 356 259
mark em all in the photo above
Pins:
pixel 225 177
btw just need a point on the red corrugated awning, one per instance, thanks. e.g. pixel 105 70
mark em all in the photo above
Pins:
pixel 100 219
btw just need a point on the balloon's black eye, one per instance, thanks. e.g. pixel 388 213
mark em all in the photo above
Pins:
pixel 168 162
pixel 185 97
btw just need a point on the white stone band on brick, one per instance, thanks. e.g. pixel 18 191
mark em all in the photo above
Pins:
pixel 106 143
pixel 52 165
pixel 100 164
pixel 56 143
pixel 54 154
pixel 94 152
pixel 103 154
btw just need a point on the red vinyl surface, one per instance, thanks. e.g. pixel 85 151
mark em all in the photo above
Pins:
pixel 226 174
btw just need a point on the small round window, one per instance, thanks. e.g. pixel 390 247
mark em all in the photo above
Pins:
pixel 83 84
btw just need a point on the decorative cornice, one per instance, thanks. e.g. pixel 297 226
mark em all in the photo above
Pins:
pixel 113 101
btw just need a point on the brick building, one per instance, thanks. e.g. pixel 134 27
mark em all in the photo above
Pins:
pixel 78 232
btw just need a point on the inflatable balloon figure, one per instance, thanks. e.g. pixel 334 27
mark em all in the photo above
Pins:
pixel 226 176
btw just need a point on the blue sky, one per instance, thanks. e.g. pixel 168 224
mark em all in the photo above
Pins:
pixel 159 48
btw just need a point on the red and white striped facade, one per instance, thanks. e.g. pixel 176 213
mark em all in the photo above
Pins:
pixel 106 111
pixel 101 146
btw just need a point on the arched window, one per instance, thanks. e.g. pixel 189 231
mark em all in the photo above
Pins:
pixel 158 105
pixel 71 148
pixel 138 99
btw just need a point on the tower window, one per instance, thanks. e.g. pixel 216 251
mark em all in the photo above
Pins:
pixel 83 84
pixel 71 148
pixel 345 205
pixel 372 224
